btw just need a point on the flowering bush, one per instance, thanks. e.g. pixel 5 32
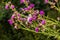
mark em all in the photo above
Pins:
pixel 40 18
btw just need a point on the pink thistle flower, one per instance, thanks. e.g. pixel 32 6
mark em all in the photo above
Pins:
pixel 22 1
pixel 19 14
pixel 29 19
pixel 46 1
pixel 34 17
pixel 43 22
pixel 26 9
pixel 31 5
pixel 42 12
pixel 10 21
pixel 13 16
pixel 12 6
pixel 36 29
pixel 7 7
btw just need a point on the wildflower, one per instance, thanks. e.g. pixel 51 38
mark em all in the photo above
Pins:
pixel 22 1
pixel 34 17
pixel 36 29
pixel 36 12
pixel 13 16
pixel 31 5
pixel 43 22
pixel 12 6
pixel 22 19
pixel 29 19
pixel 46 1
pixel 7 7
pixel 10 22
pixel 26 9
pixel 42 12
pixel 18 14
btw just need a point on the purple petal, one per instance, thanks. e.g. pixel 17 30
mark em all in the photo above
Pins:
pixel 42 12
pixel 12 6
pixel 43 22
pixel 34 17
pixel 18 14
pixel 12 16
pixel 10 22
pixel 6 7
pixel 32 5
pixel 46 1
pixel 26 9
pixel 36 29
pixel 22 1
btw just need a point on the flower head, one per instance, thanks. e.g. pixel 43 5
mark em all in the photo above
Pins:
pixel 26 9
pixel 29 19
pixel 7 7
pixel 36 29
pixel 19 14
pixel 22 1
pixel 42 12
pixel 10 22
pixel 36 11
pixel 34 17
pixel 12 6
pixel 13 16
pixel 46 1
pixel 43 22
pixel 31 5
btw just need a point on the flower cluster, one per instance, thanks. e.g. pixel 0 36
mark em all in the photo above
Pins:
pixel 34 16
